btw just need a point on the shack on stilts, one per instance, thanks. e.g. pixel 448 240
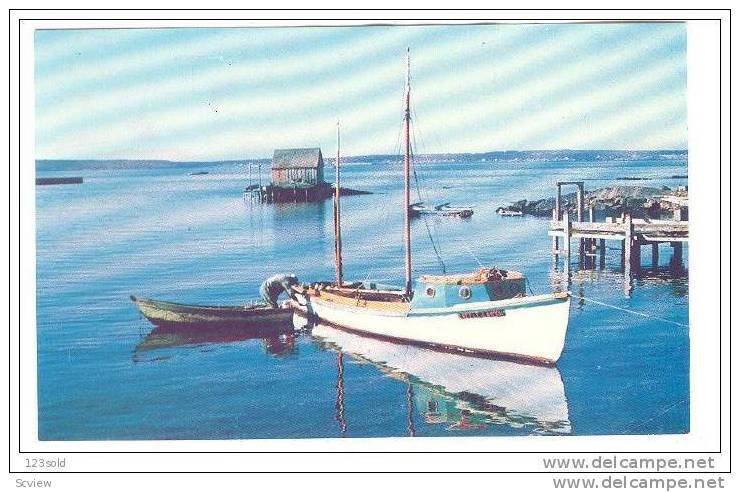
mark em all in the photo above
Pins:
pixel 297 175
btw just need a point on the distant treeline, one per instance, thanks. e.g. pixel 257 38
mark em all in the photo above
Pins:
pixel 68 164
pixel 506 155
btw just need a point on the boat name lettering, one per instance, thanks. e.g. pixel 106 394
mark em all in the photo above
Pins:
pixel 493 313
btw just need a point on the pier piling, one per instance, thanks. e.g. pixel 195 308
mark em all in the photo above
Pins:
pixel 629 233
pixel 677 259
pixel 655 257
pixel 632 233
pixel 555 239
pixel 566 242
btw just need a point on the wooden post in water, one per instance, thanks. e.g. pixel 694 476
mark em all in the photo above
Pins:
pixel 579 218
pixel 566 243
pixel 602 253
pixel 629 253
pixel 624 244
pixel 591 243
pixel 677 253
pixel 259 181
pixel 655 258
pixel 628 259
pixel 555 241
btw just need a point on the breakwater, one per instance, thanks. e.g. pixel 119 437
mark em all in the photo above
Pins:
pixel 59 180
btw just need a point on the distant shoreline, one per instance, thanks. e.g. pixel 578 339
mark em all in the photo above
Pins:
pixel 498 156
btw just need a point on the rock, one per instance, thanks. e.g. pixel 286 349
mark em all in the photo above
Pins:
pixel 612 200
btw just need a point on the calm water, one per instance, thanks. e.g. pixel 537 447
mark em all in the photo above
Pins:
pixel 164 234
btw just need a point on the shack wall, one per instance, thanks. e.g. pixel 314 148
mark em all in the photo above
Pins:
pixel 296 175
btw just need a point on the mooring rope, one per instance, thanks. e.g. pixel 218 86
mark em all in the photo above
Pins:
pixel 631 311
pixel 477 260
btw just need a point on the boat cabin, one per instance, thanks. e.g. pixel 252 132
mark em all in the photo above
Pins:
pixel 487 284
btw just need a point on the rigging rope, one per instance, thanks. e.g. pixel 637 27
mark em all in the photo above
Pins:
pixel 435 248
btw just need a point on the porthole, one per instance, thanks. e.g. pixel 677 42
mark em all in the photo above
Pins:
pixel 430 291
pixel 465 292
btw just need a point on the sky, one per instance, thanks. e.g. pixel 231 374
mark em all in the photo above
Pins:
pixel 238 93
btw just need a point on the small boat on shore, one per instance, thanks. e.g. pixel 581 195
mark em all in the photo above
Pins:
pixel 444 210
pixel 508 212
pixel 173 315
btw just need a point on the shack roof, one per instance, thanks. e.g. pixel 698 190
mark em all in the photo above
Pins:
pixel 297 158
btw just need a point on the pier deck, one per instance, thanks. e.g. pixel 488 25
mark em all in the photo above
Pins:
pixel 631 233
pixel 642 230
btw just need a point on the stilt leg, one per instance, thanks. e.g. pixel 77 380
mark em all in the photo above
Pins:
pixel 566 246
pixel 655 256
pixel 677 260
pixel 555 239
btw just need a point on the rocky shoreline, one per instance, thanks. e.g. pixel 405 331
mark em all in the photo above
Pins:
pixel 640 201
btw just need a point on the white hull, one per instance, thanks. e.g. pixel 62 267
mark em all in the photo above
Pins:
pixel 531 328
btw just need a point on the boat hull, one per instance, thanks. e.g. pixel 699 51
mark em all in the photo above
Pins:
pixel 530 329
pixel 179 316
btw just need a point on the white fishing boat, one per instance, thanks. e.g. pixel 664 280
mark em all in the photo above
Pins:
pixel 487 312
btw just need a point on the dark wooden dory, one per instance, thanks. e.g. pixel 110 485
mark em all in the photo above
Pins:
pixel 178 316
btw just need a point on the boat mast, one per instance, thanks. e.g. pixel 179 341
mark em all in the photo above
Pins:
pixel 337 223
pixel 406 172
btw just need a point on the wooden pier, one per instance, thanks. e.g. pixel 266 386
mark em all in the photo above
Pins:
pixel 632 233
pixel 285 194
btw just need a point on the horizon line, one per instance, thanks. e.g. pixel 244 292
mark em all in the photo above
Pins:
pixel 354 156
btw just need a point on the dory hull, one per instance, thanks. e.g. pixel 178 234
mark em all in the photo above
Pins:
pixel 179 316
pixel 529 329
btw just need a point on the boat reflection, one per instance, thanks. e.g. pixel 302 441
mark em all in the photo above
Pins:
pixel 457 391
pixel 279 342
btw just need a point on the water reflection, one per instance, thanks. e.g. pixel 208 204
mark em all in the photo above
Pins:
pixel 339 404
pixel 278 342
pixel 272 224
pixel 664 275
pixel 673 275
pixel 310 217
pixel 458 392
